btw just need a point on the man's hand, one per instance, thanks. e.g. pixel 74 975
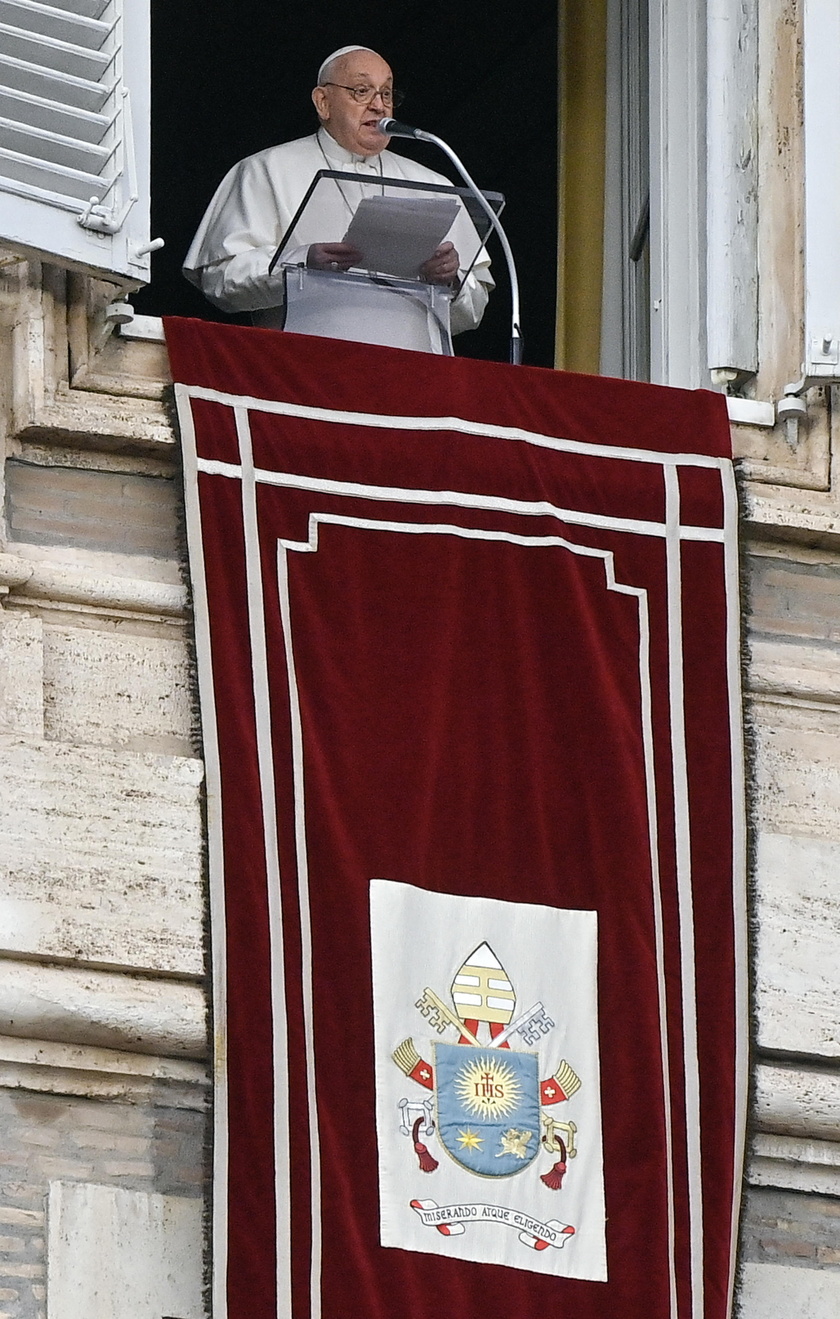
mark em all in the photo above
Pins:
pixel 332 256
pixel 442 266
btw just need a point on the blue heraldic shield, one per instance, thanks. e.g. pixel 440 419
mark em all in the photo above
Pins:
pixel 488 1108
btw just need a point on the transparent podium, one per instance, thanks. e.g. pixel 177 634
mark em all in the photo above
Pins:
pixel 396 224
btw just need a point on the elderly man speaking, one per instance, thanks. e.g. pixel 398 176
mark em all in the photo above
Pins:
pixel 257 200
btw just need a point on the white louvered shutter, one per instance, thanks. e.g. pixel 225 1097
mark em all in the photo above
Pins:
pixel 74 133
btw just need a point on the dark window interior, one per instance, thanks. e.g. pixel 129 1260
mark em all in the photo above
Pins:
pixel 230 79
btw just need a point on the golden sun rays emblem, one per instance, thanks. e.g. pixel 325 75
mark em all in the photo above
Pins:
pixel 488 1087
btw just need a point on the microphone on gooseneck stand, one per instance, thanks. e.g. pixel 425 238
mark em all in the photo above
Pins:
pixel 393 128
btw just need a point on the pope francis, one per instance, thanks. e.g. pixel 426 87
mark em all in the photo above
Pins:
pixel 257 200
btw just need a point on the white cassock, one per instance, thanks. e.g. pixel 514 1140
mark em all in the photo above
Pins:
pixel 256 202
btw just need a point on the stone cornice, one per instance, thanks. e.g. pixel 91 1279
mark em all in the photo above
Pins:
pixel 102 1009
pixel 25 581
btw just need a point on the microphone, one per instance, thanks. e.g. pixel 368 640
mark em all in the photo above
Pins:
pixel 393 128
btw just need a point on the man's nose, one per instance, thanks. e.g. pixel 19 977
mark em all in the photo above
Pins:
pixel 378 95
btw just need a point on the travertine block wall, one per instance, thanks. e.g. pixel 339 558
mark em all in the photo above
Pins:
pixel 793 709
pixel 794 713
pixel 49 1138
pixel 116 510
pixel 103 1032
pixel 787 1227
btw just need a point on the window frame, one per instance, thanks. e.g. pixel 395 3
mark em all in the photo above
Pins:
pixel 625 303
pixel 677 61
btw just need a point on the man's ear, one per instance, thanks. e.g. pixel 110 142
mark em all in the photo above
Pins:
pixel 321 103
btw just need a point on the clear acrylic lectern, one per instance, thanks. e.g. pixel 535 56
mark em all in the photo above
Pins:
pixel 397 225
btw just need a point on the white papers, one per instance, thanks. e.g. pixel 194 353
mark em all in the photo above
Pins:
pixel 396 235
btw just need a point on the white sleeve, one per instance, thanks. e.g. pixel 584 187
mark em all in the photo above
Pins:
pixel 242 282
pixel 468 308
pixel 232 250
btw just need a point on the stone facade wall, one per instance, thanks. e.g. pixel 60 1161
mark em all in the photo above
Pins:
pixel 104 1109
pixel 790 1238
pixel 785 1227
pixel 49 1138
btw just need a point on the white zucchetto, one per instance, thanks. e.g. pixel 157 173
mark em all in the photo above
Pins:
pixel 343 50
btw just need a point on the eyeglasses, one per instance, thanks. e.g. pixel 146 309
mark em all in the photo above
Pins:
pixel 365 95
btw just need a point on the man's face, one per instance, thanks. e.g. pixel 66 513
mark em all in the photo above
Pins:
pixel 354 125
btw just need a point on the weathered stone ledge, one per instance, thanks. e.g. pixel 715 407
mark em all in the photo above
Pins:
pixel 46 1067
pixel 24 580
pixel 140 1014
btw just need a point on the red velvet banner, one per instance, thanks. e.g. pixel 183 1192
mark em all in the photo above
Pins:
pixel 468 652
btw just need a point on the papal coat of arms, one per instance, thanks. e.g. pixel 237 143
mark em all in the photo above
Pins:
pixel 487 1104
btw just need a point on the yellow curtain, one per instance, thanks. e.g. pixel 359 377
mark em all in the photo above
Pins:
pixel 582 150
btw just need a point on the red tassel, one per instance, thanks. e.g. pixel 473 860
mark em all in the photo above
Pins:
pixel 427 1161
pixel 553 1179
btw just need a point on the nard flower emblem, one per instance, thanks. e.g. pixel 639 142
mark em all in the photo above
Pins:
pixel 516 1143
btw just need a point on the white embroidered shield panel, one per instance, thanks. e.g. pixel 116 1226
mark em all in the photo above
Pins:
pixel 488 1111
